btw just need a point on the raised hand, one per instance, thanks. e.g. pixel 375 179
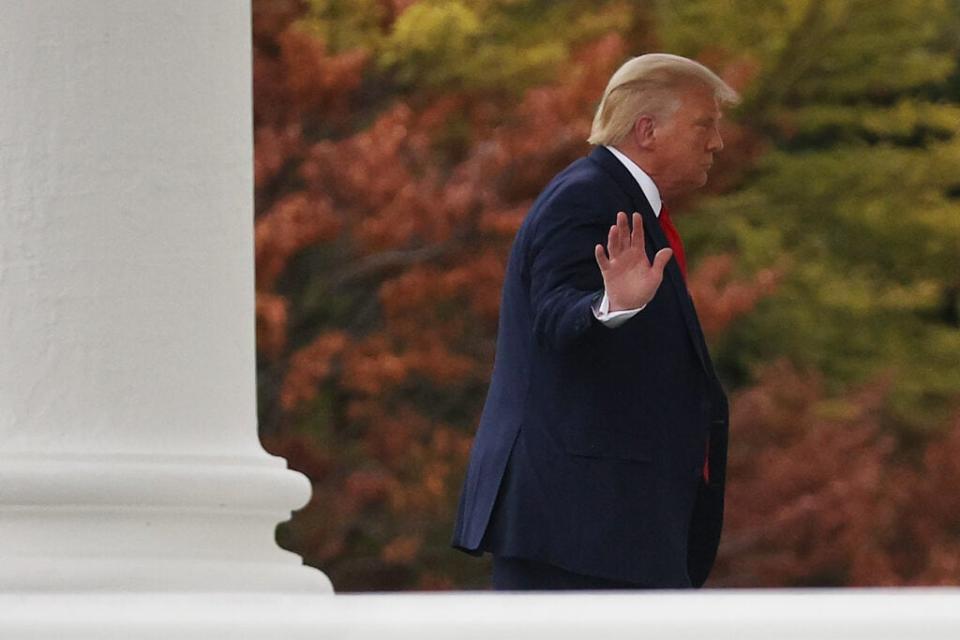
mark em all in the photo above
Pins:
pixel 630 279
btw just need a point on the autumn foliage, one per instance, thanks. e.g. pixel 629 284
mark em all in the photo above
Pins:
pixel 385 211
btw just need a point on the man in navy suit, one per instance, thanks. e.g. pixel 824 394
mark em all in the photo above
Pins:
pixel 600 457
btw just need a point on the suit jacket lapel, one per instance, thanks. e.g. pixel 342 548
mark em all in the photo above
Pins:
pixel 656 240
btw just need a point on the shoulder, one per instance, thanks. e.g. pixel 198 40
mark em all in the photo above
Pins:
pixel 584 188
pixel 583 198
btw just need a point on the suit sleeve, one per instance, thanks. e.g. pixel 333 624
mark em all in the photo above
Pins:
pixel 565 279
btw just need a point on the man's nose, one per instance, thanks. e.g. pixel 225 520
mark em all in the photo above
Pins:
pixel 716 141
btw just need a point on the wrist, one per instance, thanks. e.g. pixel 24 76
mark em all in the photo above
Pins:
pixel 617 305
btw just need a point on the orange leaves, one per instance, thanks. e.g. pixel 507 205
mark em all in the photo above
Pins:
pixel 402 207
pixel 565 108
pixel 932 517
pixel 739 73
pixel 431 306
pixel 271 17
pixel 479 280
pixel 272 148
pixel 440 366
pixel 295 77
pixel 807 490
pixel 552 123
pixel 365 487
pixel 421 203
pixel 405 441
pixel 363 171
pixel 316 80
pixel 820 495
pixel 397 223
pixel 302 453
pixel 394 439
pixel 721 300
pixel 402 550
pixel 372 368
pixel 271 324
pixel 503 222
pixel 389 180
pixel 941 462
pixel 293 223
pixel 416 289
pixel 309 366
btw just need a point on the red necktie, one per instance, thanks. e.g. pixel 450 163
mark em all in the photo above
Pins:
pixel 673 237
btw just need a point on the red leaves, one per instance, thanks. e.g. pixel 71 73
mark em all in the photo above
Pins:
pixel 402 550
pixel 378 343
pixel 272 149
pixel 309 367
pixel 928 549
pixel 720 300
pixel 306 78
pixel 806 490
pixel 819 496
pixel 271 313
pixel 372 368
pixel 293 223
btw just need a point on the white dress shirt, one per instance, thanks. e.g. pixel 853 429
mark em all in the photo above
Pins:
pixel 601 311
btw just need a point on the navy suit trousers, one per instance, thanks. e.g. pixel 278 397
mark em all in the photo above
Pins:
pixel 519 574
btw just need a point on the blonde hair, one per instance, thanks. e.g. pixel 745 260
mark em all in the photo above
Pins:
pixel 650 85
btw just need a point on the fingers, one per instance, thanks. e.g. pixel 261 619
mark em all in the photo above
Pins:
pixel 661 259
pixel 636 237
pixel 623 231
pixel 613 241
pixel 601 257
pixel 620 237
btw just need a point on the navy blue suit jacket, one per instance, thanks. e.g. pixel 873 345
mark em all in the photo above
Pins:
pixel 590 449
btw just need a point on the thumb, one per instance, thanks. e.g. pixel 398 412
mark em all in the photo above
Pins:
pixel 661 259
pixel 602 260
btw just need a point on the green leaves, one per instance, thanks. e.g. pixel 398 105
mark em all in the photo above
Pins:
pixel 825 260
pixel 454 45
pixel 855 194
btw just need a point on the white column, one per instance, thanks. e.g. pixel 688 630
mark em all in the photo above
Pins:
pixel 129 456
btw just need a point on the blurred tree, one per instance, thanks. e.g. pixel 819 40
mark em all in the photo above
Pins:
pixel 819 494
pixel 857 193
pixel 853 205
pixel 398 145
pixel 486 46
pixel 383 222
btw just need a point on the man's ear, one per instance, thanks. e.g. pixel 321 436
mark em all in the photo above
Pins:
pixel 644 134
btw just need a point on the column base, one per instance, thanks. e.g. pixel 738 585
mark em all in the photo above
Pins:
pixel 77 523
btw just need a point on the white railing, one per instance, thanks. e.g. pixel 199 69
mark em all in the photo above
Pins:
pixel 890 614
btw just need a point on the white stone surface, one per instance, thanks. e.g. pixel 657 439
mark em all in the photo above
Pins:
pixel 717 615
pixel 130 458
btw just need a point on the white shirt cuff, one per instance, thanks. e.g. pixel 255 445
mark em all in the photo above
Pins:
pixel 612 319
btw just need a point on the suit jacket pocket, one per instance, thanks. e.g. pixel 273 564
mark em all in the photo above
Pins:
pixel 591 441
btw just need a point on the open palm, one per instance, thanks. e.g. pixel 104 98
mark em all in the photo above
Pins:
pixel 630 279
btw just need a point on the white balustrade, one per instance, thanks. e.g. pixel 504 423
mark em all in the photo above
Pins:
pixel 919 614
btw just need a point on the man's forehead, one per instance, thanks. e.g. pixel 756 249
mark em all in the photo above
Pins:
pixel 702 104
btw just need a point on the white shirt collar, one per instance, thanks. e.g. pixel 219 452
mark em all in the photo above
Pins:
pixel 646 182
